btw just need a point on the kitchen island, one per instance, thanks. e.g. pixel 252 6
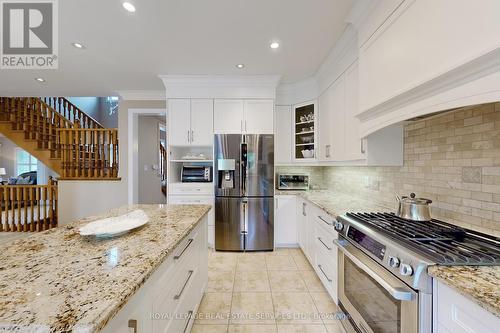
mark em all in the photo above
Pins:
pixel 59 281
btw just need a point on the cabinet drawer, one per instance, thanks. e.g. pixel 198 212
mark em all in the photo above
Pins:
pixel 323 219
pixel 326 268
pixel 191 188
pixel 324 244
pixel 190 200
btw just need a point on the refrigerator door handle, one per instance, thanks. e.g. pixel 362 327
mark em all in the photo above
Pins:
pixel 245 205
pixel 244 217
pixel 243 169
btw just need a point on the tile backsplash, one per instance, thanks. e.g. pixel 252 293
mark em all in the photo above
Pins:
pixel 452 158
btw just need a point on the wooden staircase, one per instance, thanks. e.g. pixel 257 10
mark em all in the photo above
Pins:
pixel 61 136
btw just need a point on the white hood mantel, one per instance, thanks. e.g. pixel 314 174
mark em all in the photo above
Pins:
pixel 474 82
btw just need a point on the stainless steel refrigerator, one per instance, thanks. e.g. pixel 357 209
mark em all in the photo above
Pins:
pixel 244 190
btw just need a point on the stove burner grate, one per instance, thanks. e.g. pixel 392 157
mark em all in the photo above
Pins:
pixel 444 243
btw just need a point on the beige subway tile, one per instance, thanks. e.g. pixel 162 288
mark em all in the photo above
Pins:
pixel 481 196
pixel 485 214
pixel 473 121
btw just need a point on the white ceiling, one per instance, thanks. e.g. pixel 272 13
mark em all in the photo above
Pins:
pixel 127 51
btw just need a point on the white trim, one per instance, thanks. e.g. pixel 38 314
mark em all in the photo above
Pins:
pixel 221 86
pixel 133 171
pixel 142 95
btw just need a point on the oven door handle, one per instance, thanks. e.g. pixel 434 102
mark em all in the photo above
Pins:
pixel 397 293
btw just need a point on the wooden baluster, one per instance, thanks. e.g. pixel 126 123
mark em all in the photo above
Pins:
pixel 38 204
pixel 2 203
pixel 24 204
pixel 18 204
pixel 7 207
pixel 45 203
pixel 51 203
pixel 55 189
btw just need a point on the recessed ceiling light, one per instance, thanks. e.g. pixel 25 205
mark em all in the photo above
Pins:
pixel 240 66
pixel 128 6
pixel 274 45
pixel 78 45
pixel 39 79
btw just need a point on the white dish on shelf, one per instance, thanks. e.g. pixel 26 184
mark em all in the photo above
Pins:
pixel 194 157
pixel 307 153
pixel 116 225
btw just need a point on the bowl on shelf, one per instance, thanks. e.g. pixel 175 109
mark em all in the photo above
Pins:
pixel 307 153
pixel 307 139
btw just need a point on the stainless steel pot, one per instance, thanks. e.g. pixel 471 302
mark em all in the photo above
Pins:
pixel 412 208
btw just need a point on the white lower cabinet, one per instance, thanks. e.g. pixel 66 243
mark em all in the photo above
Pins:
pixel 315 235
pixel 174 290
pixel 455 313
pixel 285 221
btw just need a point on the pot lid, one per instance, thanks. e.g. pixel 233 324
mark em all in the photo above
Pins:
pixel 413 200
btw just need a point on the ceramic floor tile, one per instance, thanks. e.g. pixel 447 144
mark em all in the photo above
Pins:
pixel 334 328
pixel 222 261
pixel 252 308
pixel 214 308
pixel 326 307
pixel 312 281
pixel 295 308
pixel 209 329
pixel 280 251
pixel 296 251
pixel 301 329
pixel 251 281
pixel 220 281
pixel 252 329
pixel 290 281
pixel 280 263
pixel 251 262
pixel 302 263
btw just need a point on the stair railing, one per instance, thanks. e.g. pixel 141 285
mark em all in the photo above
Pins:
pixel 28 207
pixel 89 153
pixel 72 112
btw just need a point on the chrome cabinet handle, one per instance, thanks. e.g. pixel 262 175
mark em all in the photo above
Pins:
pixel 192 136
pixel 188 244
pixel 397 293
pixel 329 248
pixel 132 323
pixel 190 314
pixel 363 146
pixel 322 219
pixel 322 271
pixel 241 125
pixel 304 209
pixel 327 148
pixel 190 273
pixel 188 137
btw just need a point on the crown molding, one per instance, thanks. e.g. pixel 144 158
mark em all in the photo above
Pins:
pixel 220 86
pixel 142 95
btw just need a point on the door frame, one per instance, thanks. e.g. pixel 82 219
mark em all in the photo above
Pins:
pixel 132 148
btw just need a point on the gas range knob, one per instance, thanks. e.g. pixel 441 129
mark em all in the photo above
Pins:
pixel 406 270
pixel 338 226
pixel 394 262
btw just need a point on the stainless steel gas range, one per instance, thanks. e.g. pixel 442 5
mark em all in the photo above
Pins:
pixel 383 259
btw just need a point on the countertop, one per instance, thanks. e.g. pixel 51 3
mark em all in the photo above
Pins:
pixel 59 281
pixel 479 284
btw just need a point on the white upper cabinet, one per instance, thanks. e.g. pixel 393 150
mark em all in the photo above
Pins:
pixel 190 122
pixel 259 116
pixel 179 122
pixel 283 135
pixel 228 116
pixel 355 146
pixel 243 116
pixel 420 42
pixel 331 122
pixel 202 118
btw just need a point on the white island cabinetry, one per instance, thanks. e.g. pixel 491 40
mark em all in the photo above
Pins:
pixel 173 291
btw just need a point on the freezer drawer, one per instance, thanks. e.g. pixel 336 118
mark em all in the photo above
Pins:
pixel 244 224
pixel 229 224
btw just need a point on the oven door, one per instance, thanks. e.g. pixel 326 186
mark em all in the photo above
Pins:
pixel 374 300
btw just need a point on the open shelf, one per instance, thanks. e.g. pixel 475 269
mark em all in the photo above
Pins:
pixel 304 144
pixel 192 161
pixel 308 132
pixel 305 122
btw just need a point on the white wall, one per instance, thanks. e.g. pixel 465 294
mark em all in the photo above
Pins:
pixel 79 199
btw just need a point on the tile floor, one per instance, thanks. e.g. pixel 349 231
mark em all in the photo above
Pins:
pixel 274 292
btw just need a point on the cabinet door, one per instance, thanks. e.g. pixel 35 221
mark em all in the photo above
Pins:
pixel 354 149
pixel 202 122
pixel 283 136
pixel 179 122
pixel 259 116
pixel 285 221
pixel 337 118
pixel 324 125
pixel 228 116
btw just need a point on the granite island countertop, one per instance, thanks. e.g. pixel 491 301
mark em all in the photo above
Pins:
pixel 59 281
pixel 480 284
